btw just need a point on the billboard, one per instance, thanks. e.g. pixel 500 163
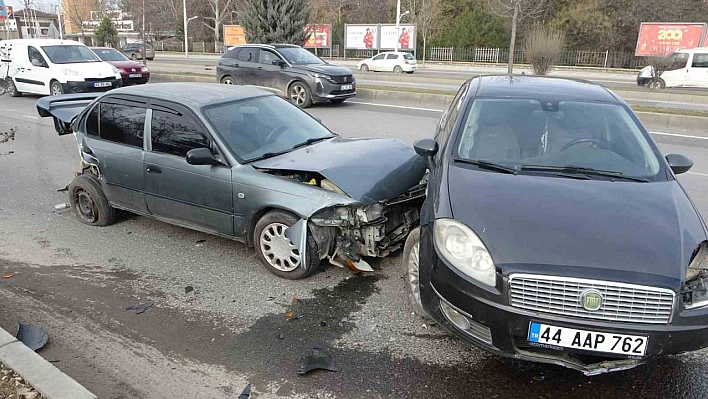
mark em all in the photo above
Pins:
pixel 234 35
pixel 658 38
pixel 319 36
pixel 364 37
pixel 3 11
pixel 406 38
pixel 121 26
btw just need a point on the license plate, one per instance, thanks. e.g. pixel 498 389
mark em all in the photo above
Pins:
pixel 102 84
pixel 135 75
pixel 347 87
pixel 562 337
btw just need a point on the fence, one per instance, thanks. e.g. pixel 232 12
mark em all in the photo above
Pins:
pixel 196 47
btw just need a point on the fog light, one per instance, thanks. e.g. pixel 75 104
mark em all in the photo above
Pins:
pixel 455 317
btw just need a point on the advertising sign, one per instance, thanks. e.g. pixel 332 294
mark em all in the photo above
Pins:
pixel 364 37
pixel 3 11
pixel 10 12
pixel 406 39
pixel 658 38
pixel 234 35
pixel 121 26
pixel 319 36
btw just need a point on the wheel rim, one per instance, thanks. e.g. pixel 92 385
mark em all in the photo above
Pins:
pixel 56 90
pixel 228 81
pixel 11 87
pixel 397 69
pixel 277 249
pixel 298 95
pixel 414 272
pixel 365 68
pixel 85 206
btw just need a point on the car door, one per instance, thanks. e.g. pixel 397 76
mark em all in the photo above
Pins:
pixel 25 75
pixel 196 196
pixel 391 61
pixel 247 72
pixel 115 132
pixel 377 63
pixel 269 75
pixel 228 63
pixel 39 71
pixel 698 71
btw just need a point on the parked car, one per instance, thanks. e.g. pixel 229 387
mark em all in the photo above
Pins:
pixel 392 61
pixel 138 51
pixel 287 70
pixel 241 163
pixel 560 235
pixel 131 72
pixel 687 68
pixel 48 66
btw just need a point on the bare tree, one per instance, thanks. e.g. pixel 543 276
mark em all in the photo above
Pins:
pixel 426 15
pixel 518 11
pixel 662 60
pixel 543 47
pixel 219 9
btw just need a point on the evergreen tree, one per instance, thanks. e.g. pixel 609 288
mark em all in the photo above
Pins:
pixel 106 32
pixel 275 21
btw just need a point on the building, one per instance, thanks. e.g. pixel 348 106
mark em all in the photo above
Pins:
pixel 75 12
pixel 81 18
pixel 35 24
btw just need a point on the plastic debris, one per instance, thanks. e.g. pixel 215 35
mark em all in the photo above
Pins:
pixel 289 314
pixel 140 308
pixel 317 359
pixel 188 289
pixel 200 241
pixel 8 275
pixel 34 337
pixel 281 336
pixel 246 393
pixel 300 316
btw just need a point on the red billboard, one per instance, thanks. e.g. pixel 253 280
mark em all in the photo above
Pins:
pixel 660 38
pixel 319 36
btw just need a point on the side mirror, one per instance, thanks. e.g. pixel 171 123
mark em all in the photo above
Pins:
pixel 679 163
pixel 426 148
pixel 201 156
pixel 36 62
pixel 279 63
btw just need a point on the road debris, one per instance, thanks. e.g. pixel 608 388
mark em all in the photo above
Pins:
pixel 246 393
pixel 300 316
pixel 289 314
pixel 281 336
pixel 34 337
pixel 138 309
pixel 188 289
pixel 8 275
pixel 317 359
pixel 13 386
pixel 8 136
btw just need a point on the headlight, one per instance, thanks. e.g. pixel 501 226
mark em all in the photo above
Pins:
pixel 461 247
pixel 116 70
pixel 145 69
pixel 699 262
pixel 319 75
pixel 695 292
pixel 70 72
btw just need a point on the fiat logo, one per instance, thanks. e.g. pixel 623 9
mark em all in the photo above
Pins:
pixel 591 300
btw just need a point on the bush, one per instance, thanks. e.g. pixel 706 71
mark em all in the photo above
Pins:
pixel 470 29
pixel 543 48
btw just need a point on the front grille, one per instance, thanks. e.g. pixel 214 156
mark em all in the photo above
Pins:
pixel 343 79
pixel 621 302
pixel 340 92
pixel 108 79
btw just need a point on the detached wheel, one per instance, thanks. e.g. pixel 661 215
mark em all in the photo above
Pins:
pixel 364 68
pixel 56 89
pixel 397 69
pixel 411 260
pixel 228 80
pixel 277 253
pixel 89 202
pixel 656 84
pixel 12 89
pixel 300 95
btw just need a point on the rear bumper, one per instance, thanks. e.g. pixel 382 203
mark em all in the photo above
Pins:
pixel 88 87
pixel 409 68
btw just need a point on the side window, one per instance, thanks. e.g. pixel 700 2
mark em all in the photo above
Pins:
pixel 392 57
pixel 175 134
pixel 121 123
pixel 267 57
pixel 700 60
pixel 36 57
pixel 679 61
pixel 233 53
pixel 379 57
pixel 248 54
pixel 92 125
pixel 447 123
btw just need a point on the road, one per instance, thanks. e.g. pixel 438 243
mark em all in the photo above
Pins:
pixel 209 342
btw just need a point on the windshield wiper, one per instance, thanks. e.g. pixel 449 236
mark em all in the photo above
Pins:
pixel 310 141
pixel 268 155
pixel 488 165
pixel 583 170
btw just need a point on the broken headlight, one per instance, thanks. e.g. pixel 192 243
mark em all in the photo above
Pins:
pixel 695 293
pixel 465 251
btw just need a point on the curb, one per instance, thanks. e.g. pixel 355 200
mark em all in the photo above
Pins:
pixel 48 380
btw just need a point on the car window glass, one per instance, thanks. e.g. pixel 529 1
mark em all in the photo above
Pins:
pixel 450 116
pixel 408 57
pixel 379 57
pixel 122 123
pixel 267 57
pixel 678 61
pixel 248 54
pixel 392 57
pixel 70 54
pixel 34 54
pixel 176 134
pixel 700 60
pixel 233 53
pixel 92 121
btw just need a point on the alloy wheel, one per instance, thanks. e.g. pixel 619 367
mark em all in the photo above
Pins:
pixel 228 81
pixel 298 95
pixel 413 279
pixel 56 90
pixel 278 250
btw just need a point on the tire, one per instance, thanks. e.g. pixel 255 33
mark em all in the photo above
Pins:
pixel 55 88
pixel 12 89
pixel 397 69
pixel 273 225
pixel 364 68
pixel 411 261
pixel 338 100
pixel 228 80
pixel 89 202
pixel 656 84
pixel 410 72
pixel 299 94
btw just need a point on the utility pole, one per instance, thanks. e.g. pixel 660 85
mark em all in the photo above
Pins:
pixel 61 33
pixel 398 22
pixel 144 44
pixel 184 28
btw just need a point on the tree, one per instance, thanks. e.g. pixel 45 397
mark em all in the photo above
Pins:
pixel 275 21
pixel 543 47
pixel 219 9
pixel 106 32
pixel 425 14
pixel 473 28
pixel 517 11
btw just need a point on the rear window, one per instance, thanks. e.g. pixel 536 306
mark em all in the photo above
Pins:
pixel 408 57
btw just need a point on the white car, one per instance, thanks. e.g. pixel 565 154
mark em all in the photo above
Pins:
pixel 50 66
pixel 689 68
pixel 392 61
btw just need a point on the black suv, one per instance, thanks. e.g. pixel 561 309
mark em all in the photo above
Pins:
pixel 288 70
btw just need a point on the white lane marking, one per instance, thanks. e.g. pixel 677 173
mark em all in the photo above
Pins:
pixel 697 174
pixel 680 135
pixel 30 116
pixel 397 106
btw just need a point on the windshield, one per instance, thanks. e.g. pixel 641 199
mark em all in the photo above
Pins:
pixel 109 54
pixel 263 127
pixel 520 133
pixel 70 54
pixel 299 56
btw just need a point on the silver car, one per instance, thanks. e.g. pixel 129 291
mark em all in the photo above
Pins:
pixel 241 163
pixel 138 51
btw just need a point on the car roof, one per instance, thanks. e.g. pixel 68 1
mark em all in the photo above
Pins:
pixel 43 42
pixel 194 95
pixel 272 45
pixel 525 86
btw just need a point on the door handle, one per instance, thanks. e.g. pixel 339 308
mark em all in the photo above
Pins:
pixel 153 169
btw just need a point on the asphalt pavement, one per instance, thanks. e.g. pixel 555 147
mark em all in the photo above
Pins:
pixel 218 320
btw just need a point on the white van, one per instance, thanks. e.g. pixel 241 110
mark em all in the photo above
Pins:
pixel 689 68
pixel 49 66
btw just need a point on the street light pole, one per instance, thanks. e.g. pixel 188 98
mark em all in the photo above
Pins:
pixel 144 44
pixel 184 15
pixel 186 24
pixel 61 34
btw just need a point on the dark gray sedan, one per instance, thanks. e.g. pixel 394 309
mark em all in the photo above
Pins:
pixel 241 163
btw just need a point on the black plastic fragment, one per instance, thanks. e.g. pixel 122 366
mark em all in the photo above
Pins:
pixel 140 308
pixel 246 393
pixel 317 359
pixel 34 337
pixel 188 289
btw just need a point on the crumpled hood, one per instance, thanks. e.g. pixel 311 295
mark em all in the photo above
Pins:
pixel 641 233
pixel 368 170
pixel 327 69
